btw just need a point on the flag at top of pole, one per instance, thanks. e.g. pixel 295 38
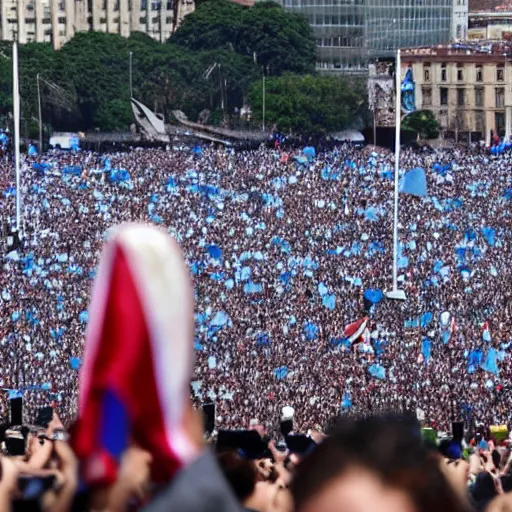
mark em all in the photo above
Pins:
pixel 395 293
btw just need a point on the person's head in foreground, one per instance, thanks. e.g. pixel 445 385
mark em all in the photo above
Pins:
pixel 374 464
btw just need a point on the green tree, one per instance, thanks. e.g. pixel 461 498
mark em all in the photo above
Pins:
pixel 280 40
pixel 422 122
pixel 310 105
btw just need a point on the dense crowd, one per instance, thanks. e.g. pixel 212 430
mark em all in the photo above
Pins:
pixel 281 250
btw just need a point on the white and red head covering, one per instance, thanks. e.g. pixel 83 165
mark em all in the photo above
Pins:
pixel 138 357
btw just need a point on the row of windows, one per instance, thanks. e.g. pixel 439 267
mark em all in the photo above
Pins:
pixel 427 74
pixel 154 5
pixel 328 19
pixel 322 3
pixel 340 42
pixel 479 92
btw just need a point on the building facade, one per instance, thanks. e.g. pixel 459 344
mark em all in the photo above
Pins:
pixel 467 86
pixel 57 21
pixel 460 13
pixel 351 33
pixel 493 26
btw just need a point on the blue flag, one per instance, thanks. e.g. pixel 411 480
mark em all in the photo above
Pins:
pixel 414 182
pixel 378 371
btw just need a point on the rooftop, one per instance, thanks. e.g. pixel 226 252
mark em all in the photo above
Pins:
pixel 463 49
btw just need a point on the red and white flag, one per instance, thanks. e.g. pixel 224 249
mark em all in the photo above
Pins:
pixel 138 357
pixel 355 331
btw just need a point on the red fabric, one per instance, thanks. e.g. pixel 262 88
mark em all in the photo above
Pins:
pixel 123 364
pixel 351 329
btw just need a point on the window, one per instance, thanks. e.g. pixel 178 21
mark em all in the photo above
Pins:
pixel 444 95
pixel 460 97
pixel 460 74
pixel 479 97
pixel 62 21
pixel 459 32
pixel 500 74
pixel 443 72
pixel 499 118
pixel 170 5
pixel 427 96
pixel 426 72
pixel 479 122
pixel 479 74
pixel 500 97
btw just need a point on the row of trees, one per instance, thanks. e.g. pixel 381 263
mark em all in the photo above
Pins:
pixel 85 85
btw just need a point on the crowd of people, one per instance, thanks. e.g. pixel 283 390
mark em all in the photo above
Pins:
pixel 281 250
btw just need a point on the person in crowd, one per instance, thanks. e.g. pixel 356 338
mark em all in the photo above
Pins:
pixel 377 463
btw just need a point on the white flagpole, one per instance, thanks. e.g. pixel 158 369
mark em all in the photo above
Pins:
pixel 16 112
pixel 396 293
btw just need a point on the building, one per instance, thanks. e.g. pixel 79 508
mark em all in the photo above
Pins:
pixel 57 21
pixel 493 25
pixel 338 28
pixel 489 5
pixel 466 85
pixel 460 21
pixel 351 33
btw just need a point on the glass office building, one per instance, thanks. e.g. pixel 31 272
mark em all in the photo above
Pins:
pixel 393 24
pixel 350 32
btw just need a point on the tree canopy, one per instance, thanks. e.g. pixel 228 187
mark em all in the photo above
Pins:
pixel 280 41
pixel 215 61
pixel 422 122
pixel 310 105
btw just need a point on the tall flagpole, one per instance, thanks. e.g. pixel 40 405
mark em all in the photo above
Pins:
pixel 16 112
pixel 396 293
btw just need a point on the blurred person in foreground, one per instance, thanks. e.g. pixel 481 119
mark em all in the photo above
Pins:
pixel 376 464
pixel 136 428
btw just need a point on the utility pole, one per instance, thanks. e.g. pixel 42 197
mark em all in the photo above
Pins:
pixel 263 85
pixel 131 75
pixel 40 115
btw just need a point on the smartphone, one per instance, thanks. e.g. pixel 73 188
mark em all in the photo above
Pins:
pixel 17 411
pixel 15 446
pixel 285 427
pixel 209 417
pixel 33 487
pixel 44 416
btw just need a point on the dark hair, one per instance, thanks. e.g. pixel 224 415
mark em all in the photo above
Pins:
pixel 496 458
pixel 390 446
pixel 239 472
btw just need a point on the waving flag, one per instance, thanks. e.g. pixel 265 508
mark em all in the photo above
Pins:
pixel 354 331
pixel 486 333
pixel 138 356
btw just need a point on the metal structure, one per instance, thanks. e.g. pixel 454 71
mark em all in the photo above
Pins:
pixel 153 128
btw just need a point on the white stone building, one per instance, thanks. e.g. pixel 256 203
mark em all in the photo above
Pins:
pixel 57 21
